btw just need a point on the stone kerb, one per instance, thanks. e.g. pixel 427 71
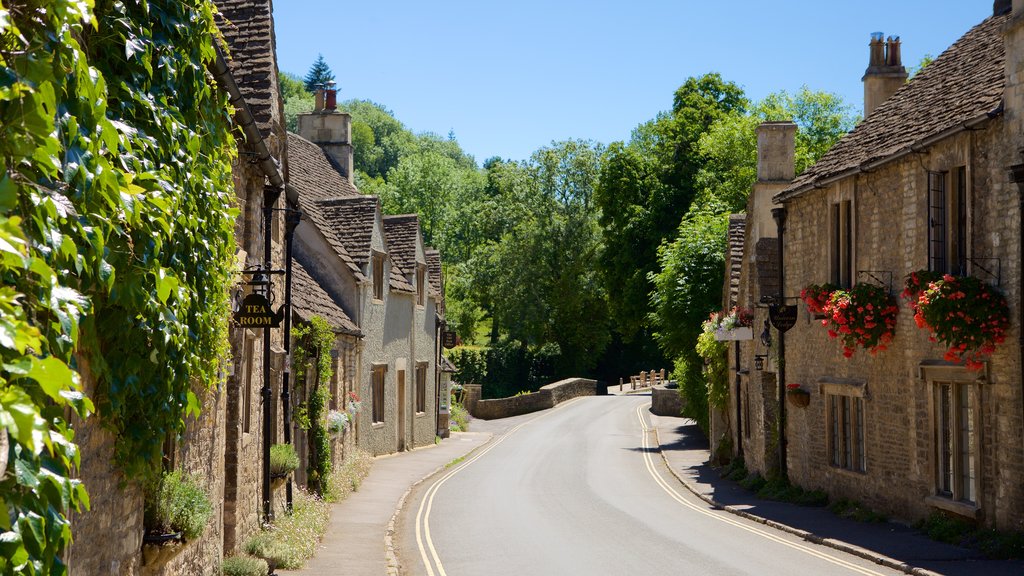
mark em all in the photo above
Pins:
pixel 547 397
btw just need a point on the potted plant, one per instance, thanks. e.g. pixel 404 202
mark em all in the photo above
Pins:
pixel 283 460
pixel 864 316
pixel 337 421
pixel 733 325
pixel 966 315
pixel 354 405
pixel 176 509
pixel 797 396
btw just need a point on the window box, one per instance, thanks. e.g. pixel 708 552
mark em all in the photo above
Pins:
pixel 739 333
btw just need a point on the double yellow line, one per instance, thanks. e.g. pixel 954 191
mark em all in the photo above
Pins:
pixel 726 517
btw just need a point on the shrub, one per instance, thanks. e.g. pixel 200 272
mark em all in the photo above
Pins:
pixel 348 476
pixel 176 503
pixel 846 508
pixel 244 566
pixel 292 539
pixel 716 364
pixel 283 459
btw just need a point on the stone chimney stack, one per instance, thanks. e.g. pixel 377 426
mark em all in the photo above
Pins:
pixel 885 74
pixel 330 129
pixel 776 167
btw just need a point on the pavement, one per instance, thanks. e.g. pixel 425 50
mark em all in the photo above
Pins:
pixel 358 539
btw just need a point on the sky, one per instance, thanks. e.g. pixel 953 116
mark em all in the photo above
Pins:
pixel 508 78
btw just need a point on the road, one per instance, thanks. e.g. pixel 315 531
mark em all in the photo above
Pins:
pixel 581 489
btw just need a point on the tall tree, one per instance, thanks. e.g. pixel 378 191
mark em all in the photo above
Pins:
pixel 319 73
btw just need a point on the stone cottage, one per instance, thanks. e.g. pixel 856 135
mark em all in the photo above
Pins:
pixel 343 243
pixel 930 180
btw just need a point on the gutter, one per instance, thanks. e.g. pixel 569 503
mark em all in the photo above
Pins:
pixel 872 165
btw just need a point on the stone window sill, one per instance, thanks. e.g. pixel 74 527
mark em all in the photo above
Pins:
pixel 849 471
pixel 376 425
pixel 959 508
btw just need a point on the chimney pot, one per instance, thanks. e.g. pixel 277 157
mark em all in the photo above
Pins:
pixel 331 102
pixel 318 98
pixel 877 53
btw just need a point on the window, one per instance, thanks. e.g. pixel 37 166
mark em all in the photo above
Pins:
pixel 378 276
pixel 956 442
pixel 421 276
pixel 947 221
pixel 842 244
pixel 378 393
pixel 846 432
pixel 421 387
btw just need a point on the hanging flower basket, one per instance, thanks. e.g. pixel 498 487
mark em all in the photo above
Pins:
pixel 816 297
pixel 797 396
pixel 966 315
pixel 864 316
pixel 734 325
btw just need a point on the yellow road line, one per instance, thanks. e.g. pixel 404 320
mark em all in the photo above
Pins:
pixel 723 517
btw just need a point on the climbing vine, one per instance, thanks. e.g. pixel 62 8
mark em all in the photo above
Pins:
pixel 116 238
pixel 313 341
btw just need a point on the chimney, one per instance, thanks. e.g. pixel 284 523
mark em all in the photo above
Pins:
pixel 885 74
pixel 330 129
pixel 776 167
pixel 318 98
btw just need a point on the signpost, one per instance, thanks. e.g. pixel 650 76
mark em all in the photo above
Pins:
pixel 255 312
pixel 783 317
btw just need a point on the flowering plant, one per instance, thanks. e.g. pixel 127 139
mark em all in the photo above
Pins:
pixel 354 405
pixel 816 296
pixel 336 421
pixel 737 317
pixel 963 313
pixel 863 316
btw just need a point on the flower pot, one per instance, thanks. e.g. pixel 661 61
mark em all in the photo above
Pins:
pixel 739 333
pixel 799 398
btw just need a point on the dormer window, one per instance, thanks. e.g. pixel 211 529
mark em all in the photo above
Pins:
pixel 421 281
pixel 378 276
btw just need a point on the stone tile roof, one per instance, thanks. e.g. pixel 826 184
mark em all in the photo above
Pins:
pixel 401 233
pixel 446 365
pixel 351 219
pixel 398 281
pixel 736 240
pixel 315 218
pixel 314 174
pixel 309 298
pixel 248 29
pixel 434 271
pixel 964 83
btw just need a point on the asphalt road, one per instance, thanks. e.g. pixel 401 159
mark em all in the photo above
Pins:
pixel 581 489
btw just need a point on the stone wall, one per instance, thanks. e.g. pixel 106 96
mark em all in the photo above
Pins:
pixel 547 397
pixel 666 401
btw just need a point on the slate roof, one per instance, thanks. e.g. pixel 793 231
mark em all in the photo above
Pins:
pixel 963 84
pixel 434 271
pixel 736 239
pixel 314 174
pixel 352 219
pixel 400 233
pixel 309 298
pixel 248 29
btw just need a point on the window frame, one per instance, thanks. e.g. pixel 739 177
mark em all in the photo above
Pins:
pixel 421 387
pixel 421 284
pixel 950 433
pixel 845 431
pixel 841 242
pixel 948 220
pixel 378 378
pixel 377 260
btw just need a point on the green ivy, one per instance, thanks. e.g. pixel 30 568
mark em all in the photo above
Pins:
pixel 116 241
pixel 313 341
pixel 716 366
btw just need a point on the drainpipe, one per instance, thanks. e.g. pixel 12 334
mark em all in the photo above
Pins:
pixel 292 219
pixel 780 219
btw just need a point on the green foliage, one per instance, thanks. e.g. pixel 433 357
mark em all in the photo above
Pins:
pixel 283 459
pixel 297 100
pixel 687 372
pixel 716 366
pixel 507 368
pixel 293 538
pixel 116 233
pixel 319 74
pixel 312 341
pixel 176 503
pixel 781 490
pixel 846 508
pixel 244 566
pixel 459 421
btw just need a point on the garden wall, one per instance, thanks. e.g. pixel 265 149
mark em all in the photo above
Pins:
pixel 547 397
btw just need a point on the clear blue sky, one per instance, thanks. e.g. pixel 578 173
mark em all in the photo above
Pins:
pixel 511 77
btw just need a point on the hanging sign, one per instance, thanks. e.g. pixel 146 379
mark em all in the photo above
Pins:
pixel 255 312
pixel 783 317
pixel 448 339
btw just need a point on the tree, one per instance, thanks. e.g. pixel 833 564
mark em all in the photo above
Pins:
pixel 297 100
pixel 319 73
